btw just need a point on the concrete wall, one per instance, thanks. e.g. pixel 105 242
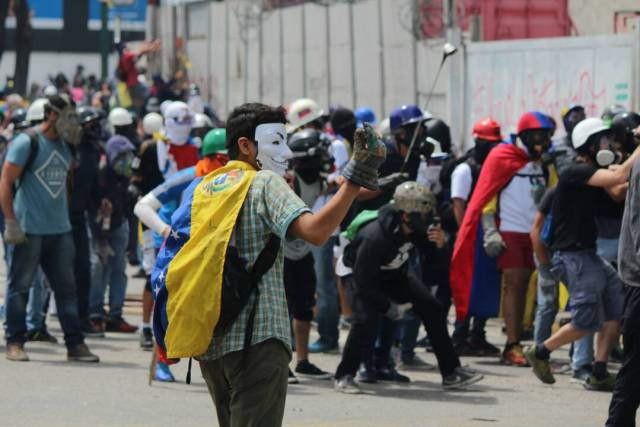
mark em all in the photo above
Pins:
pixel 307 51
pixel 592 17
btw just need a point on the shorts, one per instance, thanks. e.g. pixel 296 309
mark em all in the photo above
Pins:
pixel 595 289
pixel 518 252
pixel 300 287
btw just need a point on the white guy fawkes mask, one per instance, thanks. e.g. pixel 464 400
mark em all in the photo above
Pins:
pixel 273 151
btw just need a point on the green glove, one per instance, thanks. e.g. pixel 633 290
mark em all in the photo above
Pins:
pixel 368 154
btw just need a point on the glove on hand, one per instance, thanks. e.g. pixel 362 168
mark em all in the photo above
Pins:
pixel 390 182
pixel 13 234
pixel 397 311
pixel 493 243
pixel 368 154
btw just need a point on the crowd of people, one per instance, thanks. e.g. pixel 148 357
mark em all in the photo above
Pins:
pixel 384 227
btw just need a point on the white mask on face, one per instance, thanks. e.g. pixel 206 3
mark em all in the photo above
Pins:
pixel 273 151
pixel 178 122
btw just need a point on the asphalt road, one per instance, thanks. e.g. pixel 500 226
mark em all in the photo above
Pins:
pixel 49 391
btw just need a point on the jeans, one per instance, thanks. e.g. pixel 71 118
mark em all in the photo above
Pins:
pixel 38 303
pixel 82 264
pixel 546 310
pixel 54 254
pixel 582 352
pixel 328 308
pixel 608 249
pixel 366 320
pixel 111 273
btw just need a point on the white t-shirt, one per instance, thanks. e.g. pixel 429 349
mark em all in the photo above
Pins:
pixel 461 181
pixel 517 199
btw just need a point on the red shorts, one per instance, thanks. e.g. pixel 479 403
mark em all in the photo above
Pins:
pixel 518 253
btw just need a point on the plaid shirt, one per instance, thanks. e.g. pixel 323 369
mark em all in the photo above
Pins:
pixel 270 207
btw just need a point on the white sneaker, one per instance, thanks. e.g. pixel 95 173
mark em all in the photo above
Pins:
pixel 346 385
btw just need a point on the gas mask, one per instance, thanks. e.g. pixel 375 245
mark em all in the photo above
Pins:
pixel 273 151
pixel 482 149
pixel 122 165
pixel 605 155
pixel 419 223
pixel 178 128
pixel 537 142
pixel 67 124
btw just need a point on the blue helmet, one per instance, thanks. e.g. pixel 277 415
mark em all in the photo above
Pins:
pixel 405 115
pixel 365 115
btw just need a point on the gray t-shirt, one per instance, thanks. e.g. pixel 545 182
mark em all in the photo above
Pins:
pixel 40 203
pixel 629 247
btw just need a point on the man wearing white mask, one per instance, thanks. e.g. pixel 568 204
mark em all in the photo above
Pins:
pixel 177 150
pixel 248 384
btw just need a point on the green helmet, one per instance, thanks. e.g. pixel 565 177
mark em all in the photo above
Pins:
pixel 411 197
pixel 214 142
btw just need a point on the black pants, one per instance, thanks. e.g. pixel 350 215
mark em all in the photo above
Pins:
pixel 300 287
pixel 626 393
pixel 365 320
pixel 82 263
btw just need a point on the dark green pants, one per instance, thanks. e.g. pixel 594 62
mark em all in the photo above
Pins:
pixel 249 392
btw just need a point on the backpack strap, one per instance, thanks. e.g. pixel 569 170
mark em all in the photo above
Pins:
pixel 264 262
pixel 33 152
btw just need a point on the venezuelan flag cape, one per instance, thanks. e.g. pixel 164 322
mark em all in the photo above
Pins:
pixel 475 280
pixel 187 277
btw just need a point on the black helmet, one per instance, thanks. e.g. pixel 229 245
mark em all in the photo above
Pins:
pixel 309 143
pixel 19 119
pixel 623 125
pixel 87 114
pixel 439 130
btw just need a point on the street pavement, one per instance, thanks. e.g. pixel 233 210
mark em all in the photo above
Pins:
pixel 49 391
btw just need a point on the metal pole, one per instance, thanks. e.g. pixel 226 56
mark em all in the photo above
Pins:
pixel 328 52
pixel 304 50
pixel 104 40
pixel 354 90
pixel 281 56
pixel 209 72
pixel 383 94
pixel 226 58
pixel 260 59
pixel 414 50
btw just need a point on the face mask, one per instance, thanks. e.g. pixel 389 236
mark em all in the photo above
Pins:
pixel 537 142
pixel 605 155
pixel 481 150
pixel 273 151
pixel 178 129
pixel 67 125
pixel 122 165
pixel 419 223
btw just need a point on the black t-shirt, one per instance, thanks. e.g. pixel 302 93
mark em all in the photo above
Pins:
pixel 609 216
pixel 574 209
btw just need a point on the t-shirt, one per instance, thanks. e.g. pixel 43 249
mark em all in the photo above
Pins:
pixel 574 209
pixel 270 207
pixel 40 203
pixel 461 181
pixel 127 66
pixel 547 201
pixel 518 199
pixel 629 248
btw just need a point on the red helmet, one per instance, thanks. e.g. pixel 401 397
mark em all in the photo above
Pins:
pixel 487 129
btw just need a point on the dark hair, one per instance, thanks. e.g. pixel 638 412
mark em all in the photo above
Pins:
pixel 244 120
pixel 58 102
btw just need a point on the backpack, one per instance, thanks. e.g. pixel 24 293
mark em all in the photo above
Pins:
pixel 451 165
pixel 33 153
pixel 362 219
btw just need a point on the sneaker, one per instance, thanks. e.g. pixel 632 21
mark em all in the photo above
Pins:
pixel 422 342
pixel 513 355
pixel 541 367
pixel 560 368
pixel 163 374
pixel 118 324
pixel 460 378
pixel 605 384
pixel 146 339
pixel 322 346
pixel 93 328
pixel 16 353
pixel 41 336
pixel 415 364
pixel 367 375
pixel 483 347
pixel 347 385
pixel 345 323
pixel 81 353
pixel 581 374
pixel 306 369
pixel 389 373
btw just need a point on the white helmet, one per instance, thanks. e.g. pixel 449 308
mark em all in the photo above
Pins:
pixel 164 106
pixel 303 111
pixel 201 121
pixel 50 90
pixel 585 129
pixel 120 117
pixel 152 123
pixel 35 113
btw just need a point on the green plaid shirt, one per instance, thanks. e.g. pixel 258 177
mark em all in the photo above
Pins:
pixel 270 207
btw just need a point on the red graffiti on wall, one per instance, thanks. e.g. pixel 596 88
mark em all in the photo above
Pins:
pixel 546 95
